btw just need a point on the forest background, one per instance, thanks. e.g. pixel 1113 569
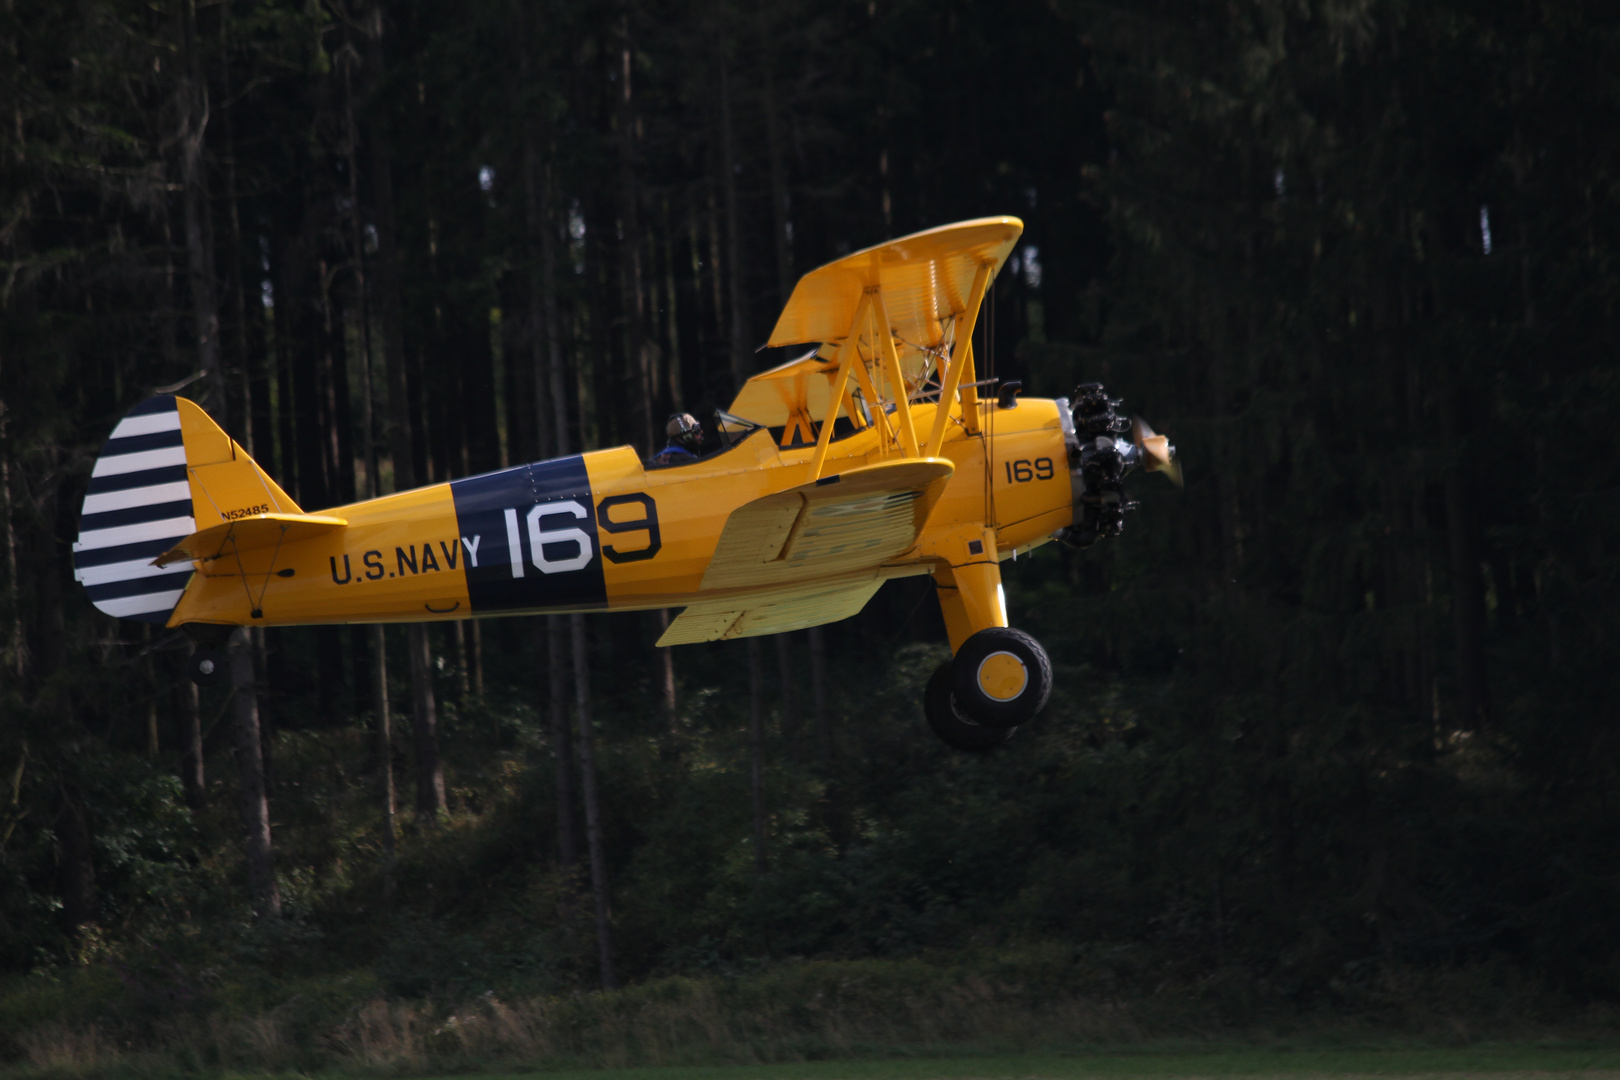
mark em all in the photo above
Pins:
pixel 1336 720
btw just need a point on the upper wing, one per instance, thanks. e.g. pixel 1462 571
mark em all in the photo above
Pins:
pixel 846 523
pixel 927 284
pixel 926 278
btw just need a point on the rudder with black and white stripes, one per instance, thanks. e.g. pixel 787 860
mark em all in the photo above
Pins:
pixel 137 507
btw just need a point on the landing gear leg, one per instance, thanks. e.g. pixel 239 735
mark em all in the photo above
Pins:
pixel 969 587
pixel 1000 677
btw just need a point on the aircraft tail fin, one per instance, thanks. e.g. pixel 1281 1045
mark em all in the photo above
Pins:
pixel 167 471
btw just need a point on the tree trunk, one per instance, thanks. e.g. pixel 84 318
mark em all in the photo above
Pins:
pixel 242 415
pixel 281 320
pixel 390 306
pixel 773 146
pixel 424 721
pixel 267 716
pixel 154 740
pixel 784 289
pixel 595 379
pixel 376 637
pixel 548 292
pixel 458 631
pixel 790 694
pixel 562 740
pixel 191 748
pixel 471 428
pixel 260 419
pixel 756 753
pixel 715 294
pixel 76 863
pixel 199 236
pixel 818 693
pixel 357 257
pixel 631 250
pixel 666 672
pixel 537 218
pixel 338 437
pixel 1467 587
pixel 519 327
pixel 551 427
pixel 673 310
pixel 385 749
pixel 331 670
pixel 739 345
pixel 299 320
pixel 593 813
pixel 205 323
pixel 430 799
pixel 18 644
pixel 262 890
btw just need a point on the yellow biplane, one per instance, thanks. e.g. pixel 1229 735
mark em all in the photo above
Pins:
pixel 873 457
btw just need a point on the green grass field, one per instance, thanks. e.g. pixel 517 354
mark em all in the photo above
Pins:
pixel 1494 1061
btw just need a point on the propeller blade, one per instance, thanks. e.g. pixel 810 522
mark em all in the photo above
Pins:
pixel 1157 453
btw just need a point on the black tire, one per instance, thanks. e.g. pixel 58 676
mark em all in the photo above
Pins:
pixel 1003 677
pixel 205 666
pixel 954 729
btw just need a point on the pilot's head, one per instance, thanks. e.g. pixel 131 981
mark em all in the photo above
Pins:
pixel 685 431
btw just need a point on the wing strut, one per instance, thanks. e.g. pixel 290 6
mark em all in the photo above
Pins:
pixel 961 362
pixel 893 376
pixel 847 354
pixel 910 287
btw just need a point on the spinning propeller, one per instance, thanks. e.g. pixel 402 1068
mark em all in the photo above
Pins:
pixel 1157 453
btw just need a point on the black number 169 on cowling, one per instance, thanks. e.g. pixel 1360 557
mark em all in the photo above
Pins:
pixel 1022 472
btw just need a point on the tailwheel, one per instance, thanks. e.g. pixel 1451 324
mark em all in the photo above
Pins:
pixel 1002 677
pixel 955 730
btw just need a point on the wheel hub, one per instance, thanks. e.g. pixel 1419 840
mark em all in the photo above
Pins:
pixel 1002 676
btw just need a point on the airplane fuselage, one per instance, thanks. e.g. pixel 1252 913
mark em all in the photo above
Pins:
pixel 601 531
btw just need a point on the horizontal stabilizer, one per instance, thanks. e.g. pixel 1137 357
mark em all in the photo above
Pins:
pixel 248 534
